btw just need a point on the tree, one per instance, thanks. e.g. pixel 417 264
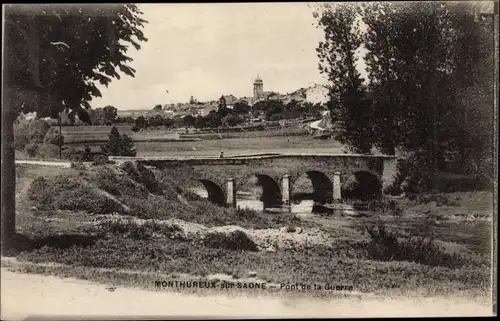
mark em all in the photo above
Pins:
pixel 119 145
pixel 381 64
pixel 189 121
pixel 338 61
pixel 231 120
pixel 110 114
pixel 242 107
pixel 156 121
pixel 53 56
pixel 157 107
pixel 222 109
pixel 140 123
pixel 430 68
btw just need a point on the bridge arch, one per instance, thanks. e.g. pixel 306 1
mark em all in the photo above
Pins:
pixel 267 186
pixel 215 192
pixel 322 186
pixel 362 185
pixel 271 191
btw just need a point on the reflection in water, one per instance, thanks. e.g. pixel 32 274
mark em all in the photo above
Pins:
pixel 304 206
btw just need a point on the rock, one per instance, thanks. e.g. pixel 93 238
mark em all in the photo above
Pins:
pixel 298 230
pixel 270 250
pixel 34 208
pixel 252 274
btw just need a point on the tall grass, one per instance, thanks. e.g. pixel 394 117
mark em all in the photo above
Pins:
pixel 386 245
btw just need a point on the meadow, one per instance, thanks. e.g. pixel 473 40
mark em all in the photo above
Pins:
pixel 161 142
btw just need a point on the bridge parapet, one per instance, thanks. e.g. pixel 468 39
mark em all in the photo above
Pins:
pixel 276 173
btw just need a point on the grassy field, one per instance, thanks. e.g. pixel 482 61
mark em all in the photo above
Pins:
pixel 89 134
pixel 323 250
pixel 233 146
pixel 76 135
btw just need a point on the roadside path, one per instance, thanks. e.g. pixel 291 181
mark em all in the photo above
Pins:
pixel 25 295
pixel 44 163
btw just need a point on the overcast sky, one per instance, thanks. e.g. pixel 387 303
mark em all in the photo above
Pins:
pixel 207 50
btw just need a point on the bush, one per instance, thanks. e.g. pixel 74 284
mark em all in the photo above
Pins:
pixel 393 246
pixel 143 175
pixel 70 192
pixel 42 191
pixel 414 175
pixel 37 129
pixel 73 154
pixel 31 149
pixel 48 151
pixel 118 184
pixel 54 137
pixel 21 138
pixel 84 198
pixel 100 160
pixel 385 205
pixel 146 230
pixel 235 240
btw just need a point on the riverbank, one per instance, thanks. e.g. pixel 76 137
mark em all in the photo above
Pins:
pixel 273 248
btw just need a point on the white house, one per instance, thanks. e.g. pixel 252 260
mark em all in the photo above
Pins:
pixel 317 94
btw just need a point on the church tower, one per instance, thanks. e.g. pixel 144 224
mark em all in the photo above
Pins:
pixel 258 88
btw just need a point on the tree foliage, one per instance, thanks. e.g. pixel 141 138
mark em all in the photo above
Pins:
pixel 430 80
pixel 55 54
pixel 119 145
pixel 53 57
pixel 347 95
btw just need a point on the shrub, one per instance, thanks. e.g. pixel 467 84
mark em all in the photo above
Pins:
pixel 40 194
pixel 139 231
pixel 414 175
pixel 48 151
pixel 235 240
pixel 70 192
pixel 54 137
pixel 73 154
pixel 21 138
pixel 118 184
pixel 385 205
pixel 388 245
pixel 99 160
pixel 42 191
pixel 143 175
pixel 84 198
pixel 31 149
pixel 37 129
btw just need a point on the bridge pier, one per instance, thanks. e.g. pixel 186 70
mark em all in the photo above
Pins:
pixel 285 194
pixel 230 193
pixel 337 194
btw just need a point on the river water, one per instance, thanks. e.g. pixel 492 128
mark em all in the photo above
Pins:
pixel 243 201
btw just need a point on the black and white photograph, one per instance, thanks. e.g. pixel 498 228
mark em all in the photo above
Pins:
pixel 249 160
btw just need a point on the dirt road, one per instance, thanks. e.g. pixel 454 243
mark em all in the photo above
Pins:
pixel 43 163
pixel 28 295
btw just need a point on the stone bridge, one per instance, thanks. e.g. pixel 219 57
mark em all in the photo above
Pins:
pixel 222 177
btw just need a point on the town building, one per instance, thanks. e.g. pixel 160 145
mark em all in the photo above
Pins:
pixel 258 88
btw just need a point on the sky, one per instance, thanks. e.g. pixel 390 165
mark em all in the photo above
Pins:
pixel 207 50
